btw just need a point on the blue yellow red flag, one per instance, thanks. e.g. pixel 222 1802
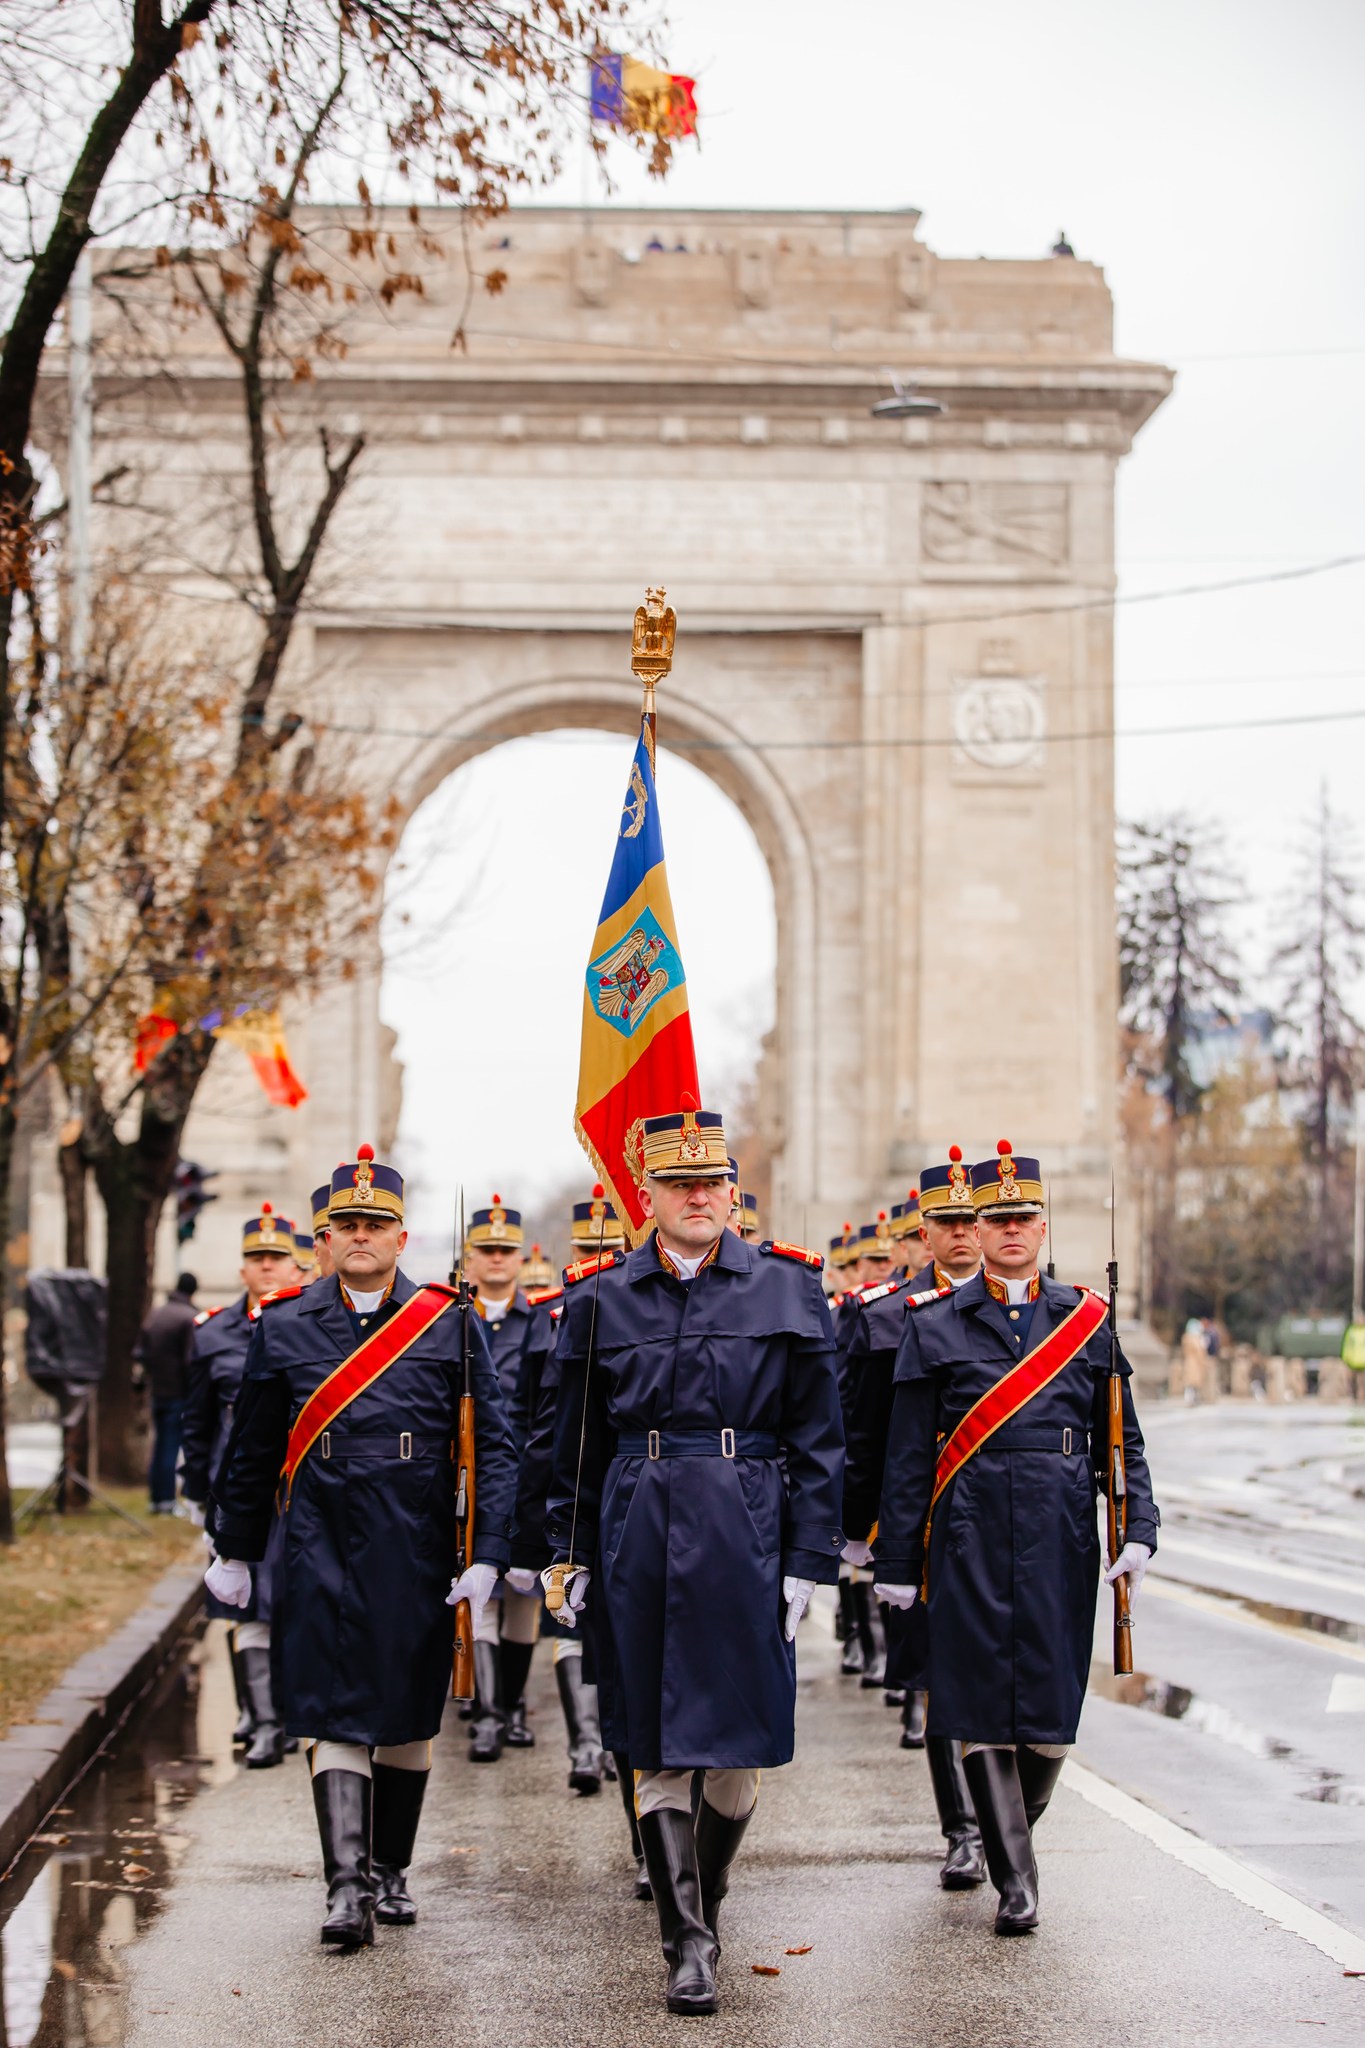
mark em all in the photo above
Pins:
pixel 637 1058
pixel 627 93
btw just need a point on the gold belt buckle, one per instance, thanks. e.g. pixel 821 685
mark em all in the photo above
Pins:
pixel 653 1443
pixel 326 1443
pixel 727 1443
pixel 405 1444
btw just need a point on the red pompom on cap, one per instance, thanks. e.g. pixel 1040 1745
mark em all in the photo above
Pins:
pixel 1004 1148
pixel 955 1153
pixel 365 1152
pixel 497 1201
pixel 847 1227
pixel 266 1209
pixel 598 1191
pixel 913 1195
pixel 881 1215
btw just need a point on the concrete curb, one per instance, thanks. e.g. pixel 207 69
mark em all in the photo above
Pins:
pixel 39 1760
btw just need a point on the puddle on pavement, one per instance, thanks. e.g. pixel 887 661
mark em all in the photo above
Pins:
pixel 1329 1625
pixel 89 1884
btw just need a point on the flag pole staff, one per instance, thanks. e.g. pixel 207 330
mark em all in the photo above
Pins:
pixel 651 655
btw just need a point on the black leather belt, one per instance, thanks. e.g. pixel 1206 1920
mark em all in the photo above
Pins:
pixel 698 1443
pixel 331 1446
pixel 1068 1443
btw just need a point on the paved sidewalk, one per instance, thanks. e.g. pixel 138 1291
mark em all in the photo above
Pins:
pixel 529 1936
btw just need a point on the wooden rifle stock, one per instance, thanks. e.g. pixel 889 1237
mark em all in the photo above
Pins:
pixel 1116 1486
pixel 462 1684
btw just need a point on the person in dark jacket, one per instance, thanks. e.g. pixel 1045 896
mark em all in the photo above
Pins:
pixel 221 1340
pixel 697 1374
pixel 519 1334
pixel 1009 1549
pixel 164 1349
pixel 364 1459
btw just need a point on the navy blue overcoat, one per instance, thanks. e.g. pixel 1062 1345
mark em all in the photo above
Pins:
pixel 217 1362
pixel 369 1532
pixel 517 1343
pixel 690 1547
pixel 1014 1553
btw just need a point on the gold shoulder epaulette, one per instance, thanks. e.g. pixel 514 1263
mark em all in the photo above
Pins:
pixel 583 1269
pixel 795 1251
pixel 880 1291
pixel 543 1294
pixel 267 1300
pixel 929 1294
pixel 207 1314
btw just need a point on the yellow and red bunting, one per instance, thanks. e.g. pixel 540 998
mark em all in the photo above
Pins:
pixel 359 1371
pixel 1034 1371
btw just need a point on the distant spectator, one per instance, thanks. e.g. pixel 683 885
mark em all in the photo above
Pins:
pixel 163 1350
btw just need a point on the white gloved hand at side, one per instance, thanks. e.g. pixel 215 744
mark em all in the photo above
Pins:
pixel 229 1581
pixel 1132 1562
pixel 796 1593
pixel 896 1596
pixel 857 1551
pixel 521 1578
pixel 195 1510
pixel 475 1585
pixel 575 1593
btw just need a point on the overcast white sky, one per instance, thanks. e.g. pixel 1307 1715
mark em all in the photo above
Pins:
pixel 1210 154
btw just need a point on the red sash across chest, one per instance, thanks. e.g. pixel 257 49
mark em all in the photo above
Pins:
pixel 359 1371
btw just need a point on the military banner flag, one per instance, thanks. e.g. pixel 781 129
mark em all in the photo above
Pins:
pixel 637 1058
pixel 627 93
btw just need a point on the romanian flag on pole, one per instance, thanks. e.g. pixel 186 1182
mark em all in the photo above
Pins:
pixel 629 94
pixel 637 1058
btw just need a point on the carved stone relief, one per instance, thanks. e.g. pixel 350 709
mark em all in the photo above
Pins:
pixel 1013 525
pixel 999 727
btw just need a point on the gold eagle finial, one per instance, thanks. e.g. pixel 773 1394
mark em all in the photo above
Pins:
pixel 651 649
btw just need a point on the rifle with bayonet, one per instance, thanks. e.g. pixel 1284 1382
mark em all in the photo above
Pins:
pixel 1116 1473
pixel 462 1678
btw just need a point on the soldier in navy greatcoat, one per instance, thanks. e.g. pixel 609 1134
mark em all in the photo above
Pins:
pixel 697 1373
pixel 1010 1552
pixel 940 1217
pixel 873 1258
pixel 370 1550
pixel 519 1334
pixel 221 1340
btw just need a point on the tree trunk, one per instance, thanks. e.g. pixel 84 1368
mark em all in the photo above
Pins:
pixel 71 1160
pixel 7 1131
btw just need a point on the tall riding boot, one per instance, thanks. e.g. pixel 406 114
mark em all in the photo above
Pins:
pixel 871 1634
pixel 851 1662
pixel 1038 1777
pixel 993 1780
pixel 690 1948
pixel 579 1702
pixel 246 1720
pixel 913 1716
pixel 964 1865
pixel 485 1730
pixel 516 1669
pixel 625 1778
pixel 718 1841
pixel 267 1744
pixel 398 1797
pixel 343 1802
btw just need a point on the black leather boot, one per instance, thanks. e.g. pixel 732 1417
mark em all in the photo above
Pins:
pixel 851 1662
pixel 625 1778
pixel 965 1864
pixel 993 1780
pixel 398 1797
pixel 343 1802
pixel 246 1720
pixel 516 1669
pixel 486 1728
pixel 690 1948
pixel 579 1702
pixel 913 1715
pixel 718 1841
pixel 871 1634
pixel 267 1744
pixel 1038 1777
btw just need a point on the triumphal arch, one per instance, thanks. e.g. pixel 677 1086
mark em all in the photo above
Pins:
pixel 894 648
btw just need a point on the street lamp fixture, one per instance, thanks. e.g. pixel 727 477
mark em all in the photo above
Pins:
pixel 907 401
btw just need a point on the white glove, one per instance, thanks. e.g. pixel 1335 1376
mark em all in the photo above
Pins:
pixel 475 1585
pixel 1131 1561
pixel 896 1596
pixel 229 1581
pixel 856 1551
pixel 796 1593
pixel 575 1593
pixel 521 1579
pixel 195 1510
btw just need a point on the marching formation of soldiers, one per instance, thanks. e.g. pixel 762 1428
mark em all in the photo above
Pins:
pixel 673 1447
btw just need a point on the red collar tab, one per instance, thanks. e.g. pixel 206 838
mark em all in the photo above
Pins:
pixel 998 1291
